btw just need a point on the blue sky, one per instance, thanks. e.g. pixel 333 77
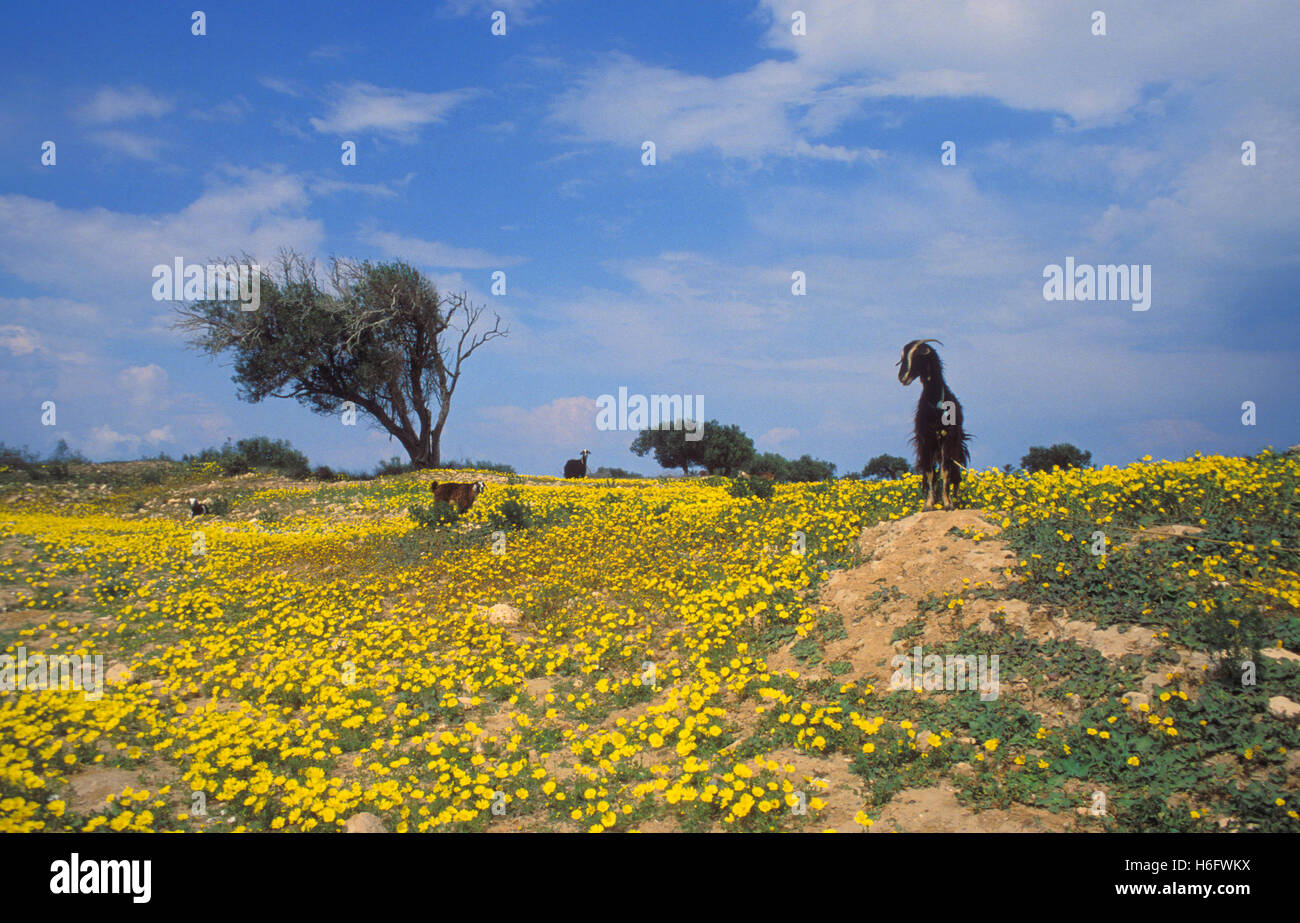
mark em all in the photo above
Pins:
pixel 776 152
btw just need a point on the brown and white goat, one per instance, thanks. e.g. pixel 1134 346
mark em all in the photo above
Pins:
pixel 458 493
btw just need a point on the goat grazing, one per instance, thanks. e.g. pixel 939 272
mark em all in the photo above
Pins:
pixel 939 435
pixel 197 508
pixel 576 469
pixel 457 493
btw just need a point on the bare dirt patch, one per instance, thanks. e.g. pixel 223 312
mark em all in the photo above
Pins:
pixel 935 809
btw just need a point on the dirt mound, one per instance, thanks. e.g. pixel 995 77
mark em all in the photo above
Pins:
pixel 907 560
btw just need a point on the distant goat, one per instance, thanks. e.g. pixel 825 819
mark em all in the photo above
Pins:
pixel 458 493
pixel 576 469
pixel 197 508
pixel 938 431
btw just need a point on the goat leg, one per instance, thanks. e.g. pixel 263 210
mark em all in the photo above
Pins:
pixel 929 488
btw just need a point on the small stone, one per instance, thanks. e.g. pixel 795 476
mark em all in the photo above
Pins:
pixel 503 614
pixel 365 822
pixel 1136 700
pixel 1280 653
pixel 1281 707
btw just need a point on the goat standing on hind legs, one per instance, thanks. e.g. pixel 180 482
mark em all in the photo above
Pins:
pixel 938 435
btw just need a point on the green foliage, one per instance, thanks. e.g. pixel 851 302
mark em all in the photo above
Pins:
pixel 751 487
pixel 771 463
pixel 1062 455
pixel 887 467
pixel 434 515
pixel 513 515
pixel 379 338
pixel 257 453
pixel 669 444
pixel 724 449
pixel 613 473
pixel 24 465
pixel 394 465
pixel 807 468
pixel 479 464
pixel 720 449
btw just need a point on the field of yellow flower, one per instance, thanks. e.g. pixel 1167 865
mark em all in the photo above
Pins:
pixel 315 654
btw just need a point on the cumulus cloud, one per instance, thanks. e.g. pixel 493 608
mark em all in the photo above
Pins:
pixel 564 421
pixel 1024 54
pixel 89 251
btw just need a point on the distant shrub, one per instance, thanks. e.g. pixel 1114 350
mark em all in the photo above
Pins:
pixel 612 473
pixel 480 464
pixel 394 465
pixel 806 468
pixel 24 465
pixel 259 452
pixel 323 473
pixel 513 515
pixel 1062 455
pixel 887 467
pixel 751 487
pixel 219 507
pixel 770 463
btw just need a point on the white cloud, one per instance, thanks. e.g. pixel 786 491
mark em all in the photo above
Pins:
pixel 128 143
pixel 106 442
pixel 625 102
pixel 362 107
pixel 110 104
pixel 19 340
pixel 1040 56
pixel 776 437
pixel 1024 54
pixel 565 421
pixel 144 386
pixel 435 253
pixel 96 253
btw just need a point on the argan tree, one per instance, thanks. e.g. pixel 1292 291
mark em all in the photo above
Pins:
pixel 669 444
pixel 1062 455
pixel 725 449
pixel 887 467
pixel 381 337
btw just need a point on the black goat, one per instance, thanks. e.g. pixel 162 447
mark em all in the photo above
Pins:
pixel 576 469
pixel 197 508
pixel 939 434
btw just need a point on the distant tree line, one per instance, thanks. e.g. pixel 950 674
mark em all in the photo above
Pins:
pixel 724 450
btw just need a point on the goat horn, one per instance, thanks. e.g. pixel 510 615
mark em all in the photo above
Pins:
pixel 940 342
